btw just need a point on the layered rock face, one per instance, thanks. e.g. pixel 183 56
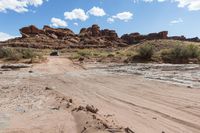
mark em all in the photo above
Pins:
pixel 58 33
pixel 91 37
pixel 30 31
pixel 99 38
pixel 44 38
pixel 136 37
pixel 57 38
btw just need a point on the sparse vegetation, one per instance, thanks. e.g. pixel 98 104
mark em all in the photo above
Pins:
pixel 146 52
pixel 180 53
pixel 170 51
pixel 90 53
pixel 158 51
pixel 17 54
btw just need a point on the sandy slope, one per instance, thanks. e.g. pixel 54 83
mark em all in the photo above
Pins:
pixel 146 106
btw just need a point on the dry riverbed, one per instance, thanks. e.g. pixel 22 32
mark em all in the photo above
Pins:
pixel 58 96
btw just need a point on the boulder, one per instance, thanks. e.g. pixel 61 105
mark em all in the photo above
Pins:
pixel 163 34
pixel 136 37
pixel 160 35
pixel 195 39
pixel 55 53
pixel 133 38
pixel 93 36
pixel 109 34
pixel 181 38
pixel 95 30
pixel 60 32
pixel 30 31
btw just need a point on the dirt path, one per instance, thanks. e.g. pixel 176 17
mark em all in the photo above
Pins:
pixel 146 106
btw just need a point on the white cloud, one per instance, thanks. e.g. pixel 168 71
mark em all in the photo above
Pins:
pixel 96 11
pixel 18 5
pixel 124 16
pixel 110 20
pixel 76 14
pixel 192 5
pixel 56 22
pixel 76 24
pixel 180 20
pixel 5 36
pixel 148 0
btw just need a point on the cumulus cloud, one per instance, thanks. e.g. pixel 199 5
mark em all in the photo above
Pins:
pixel 192 5
pixel 110 20
pixel 76 24
pixel 96 11
pixel 124 16
pixel 76 14
pixel 180 20
pixel 56 22
pixel 18 5
pixel 5 36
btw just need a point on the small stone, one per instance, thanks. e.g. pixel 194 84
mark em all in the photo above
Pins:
pixel 55 53
pixel 81 59
pixel 91 109
pixel 80 108
pixel 189 87
pixel 30 71
pixel 154 118
pixel 70 100
pixel 48 88
pixel 128 130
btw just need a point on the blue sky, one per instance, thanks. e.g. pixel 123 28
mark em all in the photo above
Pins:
pixel 179 17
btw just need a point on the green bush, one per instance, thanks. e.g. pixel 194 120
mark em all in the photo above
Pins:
pixel 193 51
pixel 181 53
pixel 84 53
pixel 17 53
pixel 146 52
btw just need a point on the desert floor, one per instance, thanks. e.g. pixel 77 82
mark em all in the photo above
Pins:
pixel 147 98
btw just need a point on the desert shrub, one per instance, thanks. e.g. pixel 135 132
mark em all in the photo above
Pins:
pixel 181 53
pixel 10 54
pixel 18 53
pixel 28 53
pixel 193 51
pixel 146 52
pixel 84 53
pixel 92 53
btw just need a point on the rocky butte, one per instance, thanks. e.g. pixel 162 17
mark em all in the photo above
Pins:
pixel 91 37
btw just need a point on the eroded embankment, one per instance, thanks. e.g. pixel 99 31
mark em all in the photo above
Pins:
pixel 29 102
pixel 181 74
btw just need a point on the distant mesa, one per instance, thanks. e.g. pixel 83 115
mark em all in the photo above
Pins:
pixel 91 37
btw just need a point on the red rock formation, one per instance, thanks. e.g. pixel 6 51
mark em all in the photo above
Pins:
pixel 92 37
pixel 60 33
pixel 195 39
pixel 136 37
pixel 30 31
pixel 181 38
pixel 163 34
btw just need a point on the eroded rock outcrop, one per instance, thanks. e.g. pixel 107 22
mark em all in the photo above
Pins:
pixel 94 36
pixel 57 38
pixel 30 31
pixel 59 33
pixel 137 37
pixel 181 38
pixel 91 37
